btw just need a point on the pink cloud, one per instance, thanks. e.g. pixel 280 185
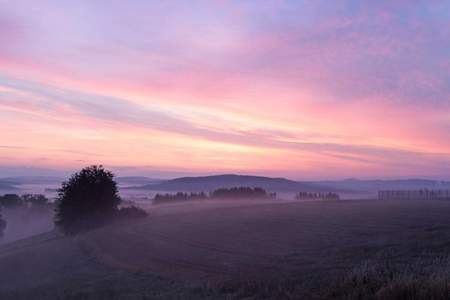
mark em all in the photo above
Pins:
pixel 346 86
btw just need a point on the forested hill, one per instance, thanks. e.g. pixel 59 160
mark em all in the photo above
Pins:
pixel 209 183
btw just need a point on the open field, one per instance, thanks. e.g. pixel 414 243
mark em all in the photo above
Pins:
pixel 212 249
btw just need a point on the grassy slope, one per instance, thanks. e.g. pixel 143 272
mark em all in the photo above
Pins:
pixel 267 249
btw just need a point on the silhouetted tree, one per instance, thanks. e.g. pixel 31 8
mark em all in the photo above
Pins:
pixel 2 224
pixel 10 200
pixel 239 193
pixel 87 200
pixel 319 196
pixel 179 196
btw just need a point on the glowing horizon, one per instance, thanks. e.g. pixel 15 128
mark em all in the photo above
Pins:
pixel 301 89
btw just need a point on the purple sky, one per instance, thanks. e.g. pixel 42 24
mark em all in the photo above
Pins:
pixel 304 89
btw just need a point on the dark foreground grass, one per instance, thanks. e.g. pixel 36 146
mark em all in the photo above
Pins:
pixel 313 251
pixel 114 286
pixel 383 278
pixel 423 279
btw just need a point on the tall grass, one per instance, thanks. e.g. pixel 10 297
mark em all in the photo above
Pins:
pixel 382 278
pixel 421 279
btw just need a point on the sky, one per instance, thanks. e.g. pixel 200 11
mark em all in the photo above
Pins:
pixel 300 89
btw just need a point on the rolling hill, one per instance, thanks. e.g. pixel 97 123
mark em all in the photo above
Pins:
pixel 209 183
pixel 136 180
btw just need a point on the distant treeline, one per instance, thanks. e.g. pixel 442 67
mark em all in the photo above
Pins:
pixel 319 196
pixel 223 193
pixel 10 200
pixel 414 195
pixel 26 202
pixel 241 193
pixel 163 198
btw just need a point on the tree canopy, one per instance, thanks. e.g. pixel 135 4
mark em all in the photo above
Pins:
pixel 86 200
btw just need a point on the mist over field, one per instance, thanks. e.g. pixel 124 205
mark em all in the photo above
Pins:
pixel 23 223
pixel 222 249
pixel 138 190
pixel 225 237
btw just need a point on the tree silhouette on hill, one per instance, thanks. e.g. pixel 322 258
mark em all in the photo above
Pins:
pixel 240 193
pixel 88 199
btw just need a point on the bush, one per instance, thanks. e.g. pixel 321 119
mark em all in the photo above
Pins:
pixel 131 212
pixel 87 200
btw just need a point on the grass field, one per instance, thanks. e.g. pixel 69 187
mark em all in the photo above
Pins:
pixel 250 249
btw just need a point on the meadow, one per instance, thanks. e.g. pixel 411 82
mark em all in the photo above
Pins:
pixel 247 249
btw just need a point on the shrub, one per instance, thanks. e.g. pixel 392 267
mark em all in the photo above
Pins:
pixel 87 200
pixel 131 212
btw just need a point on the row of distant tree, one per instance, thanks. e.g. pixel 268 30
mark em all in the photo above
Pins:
pixel 180 196
pixel 223 193
pixel 11 200
pixel 23 201
pixel 242 193
pixel 318 196
pixel 239 193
